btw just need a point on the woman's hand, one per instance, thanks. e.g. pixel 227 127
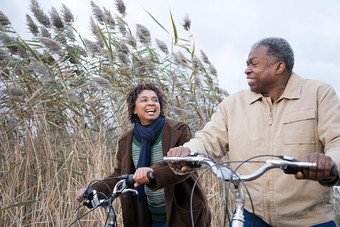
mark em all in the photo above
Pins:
pixel 80 193
pixel 141 176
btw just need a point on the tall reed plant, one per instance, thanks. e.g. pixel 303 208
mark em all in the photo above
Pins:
pixel 63 108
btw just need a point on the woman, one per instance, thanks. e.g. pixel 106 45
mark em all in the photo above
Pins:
pixel 164 201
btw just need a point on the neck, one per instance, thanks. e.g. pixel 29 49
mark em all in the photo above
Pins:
pixel 279 88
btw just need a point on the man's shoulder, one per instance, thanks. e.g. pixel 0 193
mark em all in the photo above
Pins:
pixel 244 96
pixel 312 85
pixel 308 82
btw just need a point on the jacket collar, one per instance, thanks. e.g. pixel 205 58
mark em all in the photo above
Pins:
pixel 169 129
pixel 292 90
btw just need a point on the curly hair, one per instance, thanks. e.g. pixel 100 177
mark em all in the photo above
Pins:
pixel 132 96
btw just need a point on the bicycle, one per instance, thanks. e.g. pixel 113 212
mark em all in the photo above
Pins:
pixel 289 165
pixel 92 201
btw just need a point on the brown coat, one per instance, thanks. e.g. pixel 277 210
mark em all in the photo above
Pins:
pixel 177 188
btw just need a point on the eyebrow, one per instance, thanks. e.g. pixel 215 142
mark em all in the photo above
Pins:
pixel 144 96
pixel 250 59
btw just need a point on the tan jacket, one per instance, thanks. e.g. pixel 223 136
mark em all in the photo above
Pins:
pixel 305 119
pixel 177 189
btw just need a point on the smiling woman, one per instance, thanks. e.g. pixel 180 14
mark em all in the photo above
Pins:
pixel 147 107
pixel 164 201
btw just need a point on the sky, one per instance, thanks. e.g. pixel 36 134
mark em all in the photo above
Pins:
pixel 226 29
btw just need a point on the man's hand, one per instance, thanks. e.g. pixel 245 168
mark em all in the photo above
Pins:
pixel 319 173
pixel 179 152
pixel 141 176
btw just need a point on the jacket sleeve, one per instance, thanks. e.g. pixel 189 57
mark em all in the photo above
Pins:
pixel 163 174
pixel 213 138
pixel 329 123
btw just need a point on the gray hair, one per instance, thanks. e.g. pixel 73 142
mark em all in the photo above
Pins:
pixel 279 49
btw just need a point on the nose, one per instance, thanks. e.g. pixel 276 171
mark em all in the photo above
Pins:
pixel 247 71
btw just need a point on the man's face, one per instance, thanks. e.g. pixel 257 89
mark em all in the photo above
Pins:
pixel 261 72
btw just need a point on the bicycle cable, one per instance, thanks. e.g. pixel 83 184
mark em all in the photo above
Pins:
pixel 196 181
pixel 243 183
pixel 94 208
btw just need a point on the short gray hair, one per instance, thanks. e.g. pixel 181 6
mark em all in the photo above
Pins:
pixel 279 49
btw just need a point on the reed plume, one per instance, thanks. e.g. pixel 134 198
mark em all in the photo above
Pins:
pixel 120 6
pixel 186 23
pixel 109 19
pixel 204 57
pixel 32 25
pixel 51 44
pixel 4 19
pixel 143 34
pixel 39 14
pixel 162 46
pixel 93 47
pixel 98 13
pixel 4 57
pixel 56 19
pixel 67 15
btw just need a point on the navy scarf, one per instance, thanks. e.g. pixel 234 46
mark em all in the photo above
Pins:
pixel 147 136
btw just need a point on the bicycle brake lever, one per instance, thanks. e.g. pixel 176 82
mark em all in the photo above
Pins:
pixel 90 198
pixel 292 169
pixel 194 164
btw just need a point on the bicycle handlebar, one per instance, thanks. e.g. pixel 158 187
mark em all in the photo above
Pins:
pixel 289 165
pixel 124 185
pixel 91 199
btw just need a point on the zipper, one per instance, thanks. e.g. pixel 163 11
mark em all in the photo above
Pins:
pixel 270 122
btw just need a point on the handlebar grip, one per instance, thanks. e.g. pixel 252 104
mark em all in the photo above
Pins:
pixel 151 176
pixel 296 169
pixel 293 169
pixel 189 164
pixel 194 164
pixel 88 197
pixel 129 178
pixel 334 171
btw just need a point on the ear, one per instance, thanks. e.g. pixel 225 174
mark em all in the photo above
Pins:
pixel 280 67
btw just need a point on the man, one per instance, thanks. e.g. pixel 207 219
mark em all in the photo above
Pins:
pixel 282 114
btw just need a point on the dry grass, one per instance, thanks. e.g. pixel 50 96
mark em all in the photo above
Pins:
pixel 62 105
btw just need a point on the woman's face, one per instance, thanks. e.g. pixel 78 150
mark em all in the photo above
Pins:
pixel 147 107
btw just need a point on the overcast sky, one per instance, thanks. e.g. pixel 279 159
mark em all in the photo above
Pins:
pixel 225 29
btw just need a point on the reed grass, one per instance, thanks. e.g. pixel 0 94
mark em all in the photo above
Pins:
pixel 62 107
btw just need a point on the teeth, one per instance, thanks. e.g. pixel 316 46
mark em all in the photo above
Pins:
pixel 249 80
pixel 150 111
